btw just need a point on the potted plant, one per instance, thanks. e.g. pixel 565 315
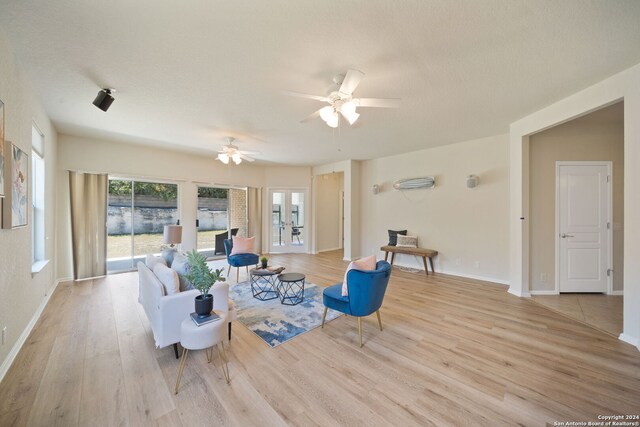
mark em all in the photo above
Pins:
pixel 202 278
pixel 264 261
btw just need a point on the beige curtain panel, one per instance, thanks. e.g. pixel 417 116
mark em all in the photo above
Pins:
pixel 88 224
pixel 254 213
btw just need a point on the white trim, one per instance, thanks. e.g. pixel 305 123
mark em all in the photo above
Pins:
pixel 452 273
pixel 630 340
pixel 521 294
pixel 38 266
pixel 617 293
pixel 544 292
pixel 328 250
pixel 609 165
pixel 8 361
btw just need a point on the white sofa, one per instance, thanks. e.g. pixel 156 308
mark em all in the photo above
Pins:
pixel 166 312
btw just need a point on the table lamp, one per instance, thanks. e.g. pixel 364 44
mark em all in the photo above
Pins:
pixel 172 236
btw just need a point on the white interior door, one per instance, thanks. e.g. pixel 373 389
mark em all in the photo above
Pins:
pixel 289 229
pixel 583 212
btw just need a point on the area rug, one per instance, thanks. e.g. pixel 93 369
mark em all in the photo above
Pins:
pixel 276 323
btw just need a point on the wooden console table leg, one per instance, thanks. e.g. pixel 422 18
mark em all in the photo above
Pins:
pixel 393 255
pixel 424 261
pixel 386 255
pixel 431 262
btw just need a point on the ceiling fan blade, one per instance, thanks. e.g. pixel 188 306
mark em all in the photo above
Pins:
pixel 311 116
pixel 351 82
pixel 378 102
pixel 250 153
pixel 247 158
pixel 306 95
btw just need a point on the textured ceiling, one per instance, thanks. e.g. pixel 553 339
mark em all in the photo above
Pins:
pixel 189 73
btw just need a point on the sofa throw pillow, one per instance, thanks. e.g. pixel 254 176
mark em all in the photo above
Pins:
pixel 181 266
pixel 168 278
pixel 243 245
pixel 393 236
pixel 364 264
pixel 408 241
pixel 151 260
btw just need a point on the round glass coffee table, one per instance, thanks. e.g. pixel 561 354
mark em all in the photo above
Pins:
pixel 291 288
pixel 264 285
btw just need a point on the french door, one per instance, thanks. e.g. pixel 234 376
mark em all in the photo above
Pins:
pixel 288 230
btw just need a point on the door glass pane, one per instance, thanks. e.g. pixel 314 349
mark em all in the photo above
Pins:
pixel 119 225
pixel 297 219
pixel 277 218
pixel 213 219
pixel 154 206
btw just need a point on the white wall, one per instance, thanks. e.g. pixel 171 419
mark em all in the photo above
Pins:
pixel 328 193
pixel 468 227
pixel 21 295
pixel 188 170
pixel 622 86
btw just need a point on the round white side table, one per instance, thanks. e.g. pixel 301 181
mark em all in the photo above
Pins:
pixel 194 337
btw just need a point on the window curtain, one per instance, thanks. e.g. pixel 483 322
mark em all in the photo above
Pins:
pixel 254 213
pixel 88 224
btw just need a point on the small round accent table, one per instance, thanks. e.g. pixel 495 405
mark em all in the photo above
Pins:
pixel 263 284
pixel 194 337
pixel 291 288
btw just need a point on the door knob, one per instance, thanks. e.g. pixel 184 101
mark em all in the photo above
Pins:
pixel 564 236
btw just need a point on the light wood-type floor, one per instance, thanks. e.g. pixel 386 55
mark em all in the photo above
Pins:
pixel 600 311
pixel 453 352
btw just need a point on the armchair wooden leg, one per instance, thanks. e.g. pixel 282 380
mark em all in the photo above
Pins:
pixel 360 329
pixel 237 274
pixel 185 352
pixel 229 270
pixel 209 352
pixel 379 321
pixel 229 332
pixel 247 267
pixel 324 316
pixel 175 350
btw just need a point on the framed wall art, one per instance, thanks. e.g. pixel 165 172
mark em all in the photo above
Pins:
pixel 16 201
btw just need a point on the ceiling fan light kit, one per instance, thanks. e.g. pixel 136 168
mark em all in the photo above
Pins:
pixel 342 102
pixel 232 152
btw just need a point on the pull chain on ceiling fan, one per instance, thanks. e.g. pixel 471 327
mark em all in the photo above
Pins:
pixel 342 102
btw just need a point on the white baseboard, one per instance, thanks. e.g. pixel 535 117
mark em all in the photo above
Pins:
pixel 617 293
pixel 630 340
pixel 8 361
pixel 327 250
pixel 521 294
pixel 547 292
pixel 474 276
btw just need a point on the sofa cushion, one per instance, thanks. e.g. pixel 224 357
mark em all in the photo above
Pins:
pixel 364 264
pixel 393 236
pixel 168 278
pixel 151 261
pixel 407 241
pixel 181 266
pixel 243 245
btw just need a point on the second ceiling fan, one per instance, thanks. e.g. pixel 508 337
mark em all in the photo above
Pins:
pixel 342 102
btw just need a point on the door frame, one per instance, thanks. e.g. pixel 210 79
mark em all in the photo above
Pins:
pixel 305 248
pixel 609 165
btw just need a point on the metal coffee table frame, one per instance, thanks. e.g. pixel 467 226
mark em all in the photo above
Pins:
pixel 291 288
pixel 264 284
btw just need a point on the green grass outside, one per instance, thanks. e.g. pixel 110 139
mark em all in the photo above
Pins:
pixel 120 246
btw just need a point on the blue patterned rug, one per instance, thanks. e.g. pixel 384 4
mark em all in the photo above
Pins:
pixel 276 323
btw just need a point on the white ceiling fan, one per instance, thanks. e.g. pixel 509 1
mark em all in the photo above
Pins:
pixel 341 100
pixel 229 151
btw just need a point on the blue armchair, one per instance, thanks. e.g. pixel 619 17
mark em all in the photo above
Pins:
pixel 366 292
pixel 239 260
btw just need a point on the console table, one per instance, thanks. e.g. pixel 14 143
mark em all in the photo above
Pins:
pixel 421 252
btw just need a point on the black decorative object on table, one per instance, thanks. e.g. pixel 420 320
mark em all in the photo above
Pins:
pixel 203 278
pixel 291 288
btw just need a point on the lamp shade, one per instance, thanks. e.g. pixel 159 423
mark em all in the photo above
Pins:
pixel 172 234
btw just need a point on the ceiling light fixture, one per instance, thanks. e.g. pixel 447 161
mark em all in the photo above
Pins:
pixel 224 158
pixel 104 99
pixel 236 158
